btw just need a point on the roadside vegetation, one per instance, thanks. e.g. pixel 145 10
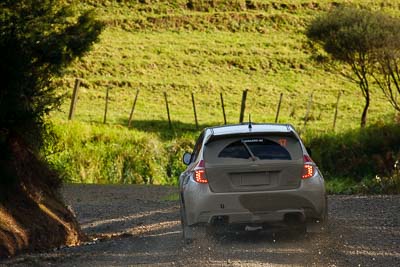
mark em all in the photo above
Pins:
pixel 208 48
pixel 368 42
pixel 39 39
pixel 95 153
pixel 360 161
pixel 356 161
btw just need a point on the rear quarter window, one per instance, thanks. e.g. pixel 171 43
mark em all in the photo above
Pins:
pixel 274 147
pixel 197 147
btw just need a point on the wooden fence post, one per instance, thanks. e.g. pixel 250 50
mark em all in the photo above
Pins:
pixel 308 110
pixel 336 110
pixel 243 106
pixel 194 111
pixel 106 106
pixel 133 108
pixel 166 104
pixel 74 99
pixel 223 107
pixel 279 108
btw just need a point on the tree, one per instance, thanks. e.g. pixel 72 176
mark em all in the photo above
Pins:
pixel 354 36
pixel 387 73
pixel 38 39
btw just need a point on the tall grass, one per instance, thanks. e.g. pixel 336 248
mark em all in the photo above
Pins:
pixel 94 153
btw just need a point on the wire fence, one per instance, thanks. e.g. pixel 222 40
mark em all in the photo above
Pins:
pixel 197 109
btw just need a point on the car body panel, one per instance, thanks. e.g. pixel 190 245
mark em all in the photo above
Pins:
pixel 255 128
pixel 254 176
pixel 202 205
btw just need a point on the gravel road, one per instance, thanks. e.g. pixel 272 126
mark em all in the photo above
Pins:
pixel 138 226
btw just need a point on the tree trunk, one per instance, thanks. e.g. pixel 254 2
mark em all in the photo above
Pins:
pixel 365 111
pixel 32 214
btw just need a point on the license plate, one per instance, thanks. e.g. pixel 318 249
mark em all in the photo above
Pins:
pixel 251 179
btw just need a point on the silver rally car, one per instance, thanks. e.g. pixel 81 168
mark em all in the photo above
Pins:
pixel 252 176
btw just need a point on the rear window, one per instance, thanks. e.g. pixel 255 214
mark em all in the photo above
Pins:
pixel 261 147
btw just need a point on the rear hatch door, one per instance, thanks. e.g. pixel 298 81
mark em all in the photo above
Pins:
pixel 254 163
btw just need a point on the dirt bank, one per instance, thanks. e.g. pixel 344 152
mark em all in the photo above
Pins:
pixel 32 214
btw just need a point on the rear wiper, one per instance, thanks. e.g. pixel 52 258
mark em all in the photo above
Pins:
pixel 254 158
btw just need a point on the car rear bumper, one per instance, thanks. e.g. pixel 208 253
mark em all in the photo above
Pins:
pixel 203 206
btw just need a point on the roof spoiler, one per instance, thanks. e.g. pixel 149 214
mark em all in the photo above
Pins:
pixel 214 137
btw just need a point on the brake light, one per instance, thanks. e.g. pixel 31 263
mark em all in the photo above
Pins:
pixel 200 173
pixel 200 176
pixel 308 171
pixel 308 167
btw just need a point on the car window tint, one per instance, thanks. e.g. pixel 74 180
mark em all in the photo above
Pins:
pixel 263 147
pixel 197 147
pixel 235 150
pixel 267 149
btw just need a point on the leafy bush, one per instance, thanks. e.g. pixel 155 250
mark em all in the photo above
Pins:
pixel 359 161
pixel 358 153
pixel 87 153
pixel 39 39
pixel 175 151
pixel 377 185
pixel 389 184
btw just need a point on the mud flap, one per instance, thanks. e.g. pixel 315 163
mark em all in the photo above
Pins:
pixel 190 233
pixel 319 225
pixel 187 231
pixel 187 234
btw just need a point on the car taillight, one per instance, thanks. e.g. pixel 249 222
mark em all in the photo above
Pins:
pixel 200 173
pixel 308 168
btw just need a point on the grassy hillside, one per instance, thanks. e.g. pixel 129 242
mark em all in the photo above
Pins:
pixel 208 47
pixel 205 47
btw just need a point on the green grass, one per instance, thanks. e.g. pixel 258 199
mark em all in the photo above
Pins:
pixel 376 185
pixel 94 153
pixel 206 48
pixel 151 47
